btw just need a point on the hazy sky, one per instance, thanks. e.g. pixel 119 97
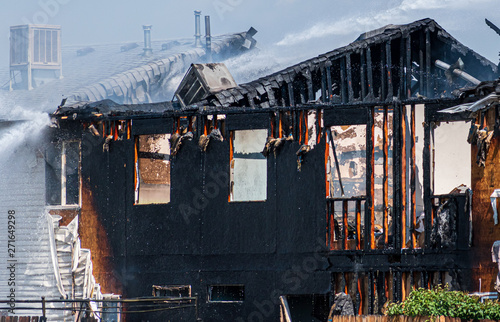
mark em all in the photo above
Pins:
pixel 294 27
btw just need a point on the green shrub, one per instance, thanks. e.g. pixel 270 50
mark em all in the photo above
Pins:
pixel 443 302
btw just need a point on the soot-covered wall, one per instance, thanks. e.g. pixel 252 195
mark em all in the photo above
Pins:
pixel 200 238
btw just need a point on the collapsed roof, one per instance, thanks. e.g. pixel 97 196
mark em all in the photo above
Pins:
pixel 404 61
pixel 358 72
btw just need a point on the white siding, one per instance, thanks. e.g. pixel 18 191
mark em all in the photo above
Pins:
pixel 22 189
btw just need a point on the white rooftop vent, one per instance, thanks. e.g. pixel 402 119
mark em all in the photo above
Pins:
pixel 35 55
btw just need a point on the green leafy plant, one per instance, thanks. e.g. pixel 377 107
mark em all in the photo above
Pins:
pixel 443 302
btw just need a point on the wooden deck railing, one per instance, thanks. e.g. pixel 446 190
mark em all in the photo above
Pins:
pixel 346 225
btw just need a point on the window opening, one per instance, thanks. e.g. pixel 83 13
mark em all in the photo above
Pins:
pixel 152 169
pixel 63 173
pixel 226 293
pixel 248 166
pixel 172 290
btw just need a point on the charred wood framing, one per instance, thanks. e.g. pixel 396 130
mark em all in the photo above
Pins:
pixel 329 82
pixel 408 67
pixel 426 156
pixel 413 179
pixel 398 118
pixel 385 179
pixel 291 94
pixel 343 80
pixel 370 180
pixel 351 69
pixel 401 75
pixel 404 171
pixel 349 78
pixel 421 61
pixel 369 73
pixel 325 96
pixel 363 75
pixel 383 74
pixel 389 69
pixel 428 63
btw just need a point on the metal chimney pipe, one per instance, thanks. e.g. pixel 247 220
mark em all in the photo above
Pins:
pixel 208 38
pixel 148 50
pixel 197 28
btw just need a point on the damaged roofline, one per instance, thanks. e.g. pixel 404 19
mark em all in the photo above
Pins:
pixel 136 111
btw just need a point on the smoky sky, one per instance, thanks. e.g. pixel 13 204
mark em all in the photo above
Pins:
pixel 300 27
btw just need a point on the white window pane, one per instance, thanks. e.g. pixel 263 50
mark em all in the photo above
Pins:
pixel 249 166
pixel 250 180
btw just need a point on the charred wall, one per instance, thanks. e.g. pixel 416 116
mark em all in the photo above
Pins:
pixel 200 238
pixel 484 181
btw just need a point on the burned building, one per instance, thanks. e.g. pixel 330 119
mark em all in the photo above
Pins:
pixel 267 198
pixel 41 177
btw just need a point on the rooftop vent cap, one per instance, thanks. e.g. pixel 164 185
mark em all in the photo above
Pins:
pixel 197 28
pixel 148 50
pixel 128 47
pixel 84 51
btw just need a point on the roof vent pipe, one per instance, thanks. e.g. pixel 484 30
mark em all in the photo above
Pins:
pixel 148 50
pixel 208 38
pixel 197 28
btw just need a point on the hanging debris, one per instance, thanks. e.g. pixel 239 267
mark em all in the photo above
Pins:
pixel 176 141
pixel 215 134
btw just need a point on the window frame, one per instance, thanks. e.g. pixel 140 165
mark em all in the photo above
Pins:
pixel 210 290
pixel 231 168
pixel 137 172
pixel 62 185
pixel 159 288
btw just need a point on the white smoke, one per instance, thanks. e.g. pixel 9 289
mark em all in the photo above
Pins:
pixel 397 12
pixel 18 128
pixel 262 62
pixel 252 65
pixel 172 84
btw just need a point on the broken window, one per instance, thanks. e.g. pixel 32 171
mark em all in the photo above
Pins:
pixel 347 179
pixel 62 172
pixel 248 170
pixel 172 290
pixel 346 161
pixel 346 185
pixel 452 156
pixel 226 293
pixel 152 169
pixel 308 307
